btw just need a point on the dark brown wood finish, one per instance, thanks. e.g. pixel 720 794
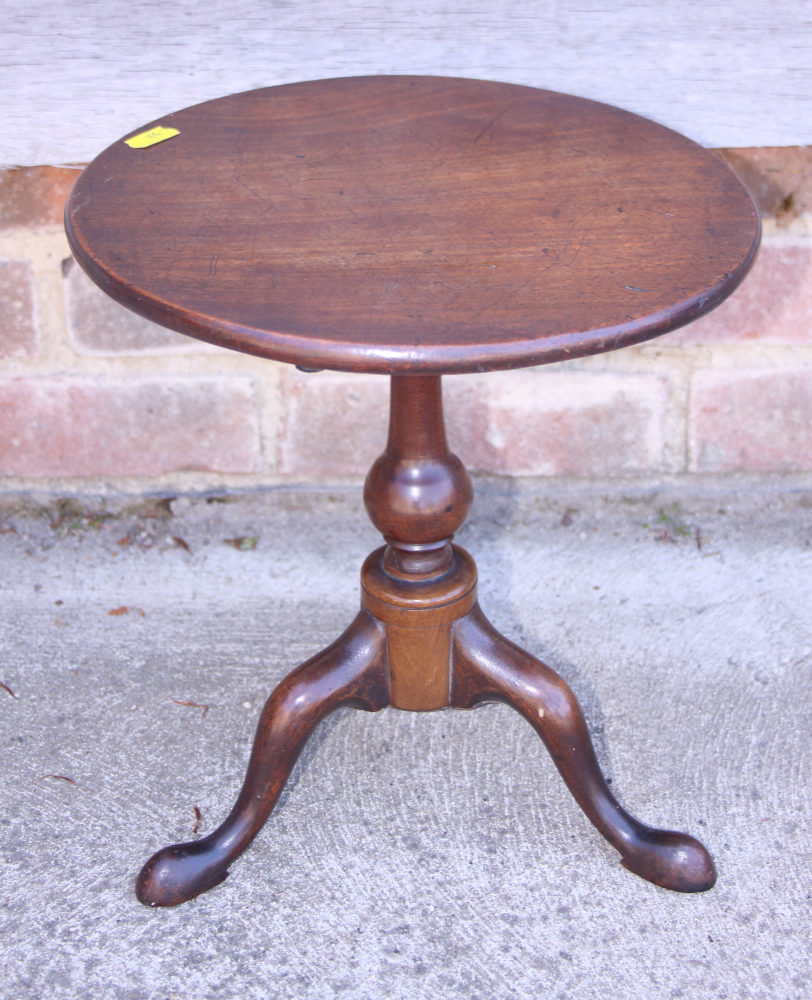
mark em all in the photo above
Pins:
pixel 352 671
pixel 417 494
pixel 488 667
pixel 413 224
pixel 420 643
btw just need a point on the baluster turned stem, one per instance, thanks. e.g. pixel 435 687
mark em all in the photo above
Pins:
pixel 417 493
pixel 416 421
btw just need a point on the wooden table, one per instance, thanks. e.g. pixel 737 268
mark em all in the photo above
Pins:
pixel 415 226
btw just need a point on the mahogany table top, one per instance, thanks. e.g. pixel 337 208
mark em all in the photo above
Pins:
pixel 413 224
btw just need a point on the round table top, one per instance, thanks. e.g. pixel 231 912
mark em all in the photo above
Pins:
pixel 413 224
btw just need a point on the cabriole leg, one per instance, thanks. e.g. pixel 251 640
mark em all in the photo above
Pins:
pixel 488 667
pixel 352 671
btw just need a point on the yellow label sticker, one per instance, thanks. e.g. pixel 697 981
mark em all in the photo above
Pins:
pixel 144 139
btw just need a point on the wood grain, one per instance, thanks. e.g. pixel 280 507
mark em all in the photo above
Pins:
pixel 414 224
pixel 419 667
pixel 397 652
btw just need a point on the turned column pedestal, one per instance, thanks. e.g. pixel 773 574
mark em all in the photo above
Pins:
pixel 420 643
pixel 418 495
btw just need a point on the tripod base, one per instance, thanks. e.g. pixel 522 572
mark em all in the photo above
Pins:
pixel 421 645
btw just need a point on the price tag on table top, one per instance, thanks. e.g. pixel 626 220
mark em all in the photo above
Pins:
pixel 144 139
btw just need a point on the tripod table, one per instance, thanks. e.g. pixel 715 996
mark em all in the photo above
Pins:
pixel 412 227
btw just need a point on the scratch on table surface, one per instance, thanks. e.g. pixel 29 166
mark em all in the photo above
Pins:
pixel 236 178
pixel 208 217
pixel 393 286
pixel 505 298
pixel 252 192
pixel 493 122
pixel 568 248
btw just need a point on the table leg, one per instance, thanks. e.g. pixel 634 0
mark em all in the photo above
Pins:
pixel 352 671
pixel 420 643
pixel 488 667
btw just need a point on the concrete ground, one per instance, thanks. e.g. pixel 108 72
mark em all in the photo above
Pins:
pixel 412 856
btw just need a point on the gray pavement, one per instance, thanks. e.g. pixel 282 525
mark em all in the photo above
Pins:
pixel 412 855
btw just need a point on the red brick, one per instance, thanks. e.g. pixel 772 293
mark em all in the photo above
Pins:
pixel 334 424
pixel 97 324
pixel 508 423
pixel 18 334
pixel 778 177
pixel 752 420
pixel 127 427
pixel 465 399
pixel 773 304
pixel 564 423
pixel 34 196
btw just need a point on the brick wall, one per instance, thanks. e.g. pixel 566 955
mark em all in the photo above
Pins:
pixel 93 398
